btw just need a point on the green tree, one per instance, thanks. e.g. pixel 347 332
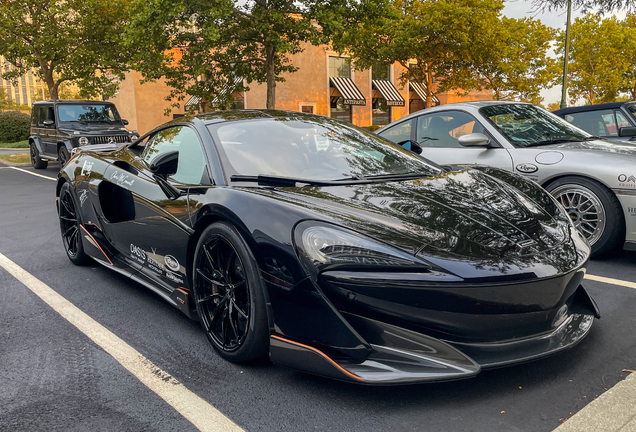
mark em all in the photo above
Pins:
pixel 65 40
pixel 201 46
pixel 596 65
pixel 514 63
pixel 440 35
pixel 628 85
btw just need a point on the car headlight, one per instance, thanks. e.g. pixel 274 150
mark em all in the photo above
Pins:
pixel 322 246
pixel 82 141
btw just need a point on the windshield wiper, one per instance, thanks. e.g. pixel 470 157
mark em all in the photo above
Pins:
pixel 270 180
pixel 406 175
pixel 552 141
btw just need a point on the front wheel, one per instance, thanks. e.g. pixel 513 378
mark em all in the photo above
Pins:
pixel 62 155
pixel 594 209
pixel 228 293
pixel 70 226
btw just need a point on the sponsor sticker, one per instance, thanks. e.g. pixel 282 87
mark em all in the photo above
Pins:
pixel 527 168
pixel 83 196
pixel 626 181
pixel 172 263
pixel 87 168
pixel 121 179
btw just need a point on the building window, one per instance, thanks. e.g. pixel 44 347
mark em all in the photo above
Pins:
pixel 307 109
pixel 340 67
pixel 380 111
pixel 379 72
pixel 239 102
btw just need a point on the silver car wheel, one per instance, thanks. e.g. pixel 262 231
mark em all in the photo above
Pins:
pixel 584 208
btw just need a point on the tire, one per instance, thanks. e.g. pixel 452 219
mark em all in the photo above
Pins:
pixel 70 226
pixel 62 155
pixel 36 162
pixel 594 209
pixel 228 293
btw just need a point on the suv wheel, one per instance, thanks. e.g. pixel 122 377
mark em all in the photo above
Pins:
pixel 62 155
pixel 36 162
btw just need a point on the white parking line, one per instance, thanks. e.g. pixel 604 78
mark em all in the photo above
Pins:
pixel 611 281
pixel 200 413
pixel 32 173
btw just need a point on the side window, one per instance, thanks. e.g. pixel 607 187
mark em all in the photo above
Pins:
pixel 621 120
pixel 442 129
pixel 41 114
pixel 184 140
pixel 399 133
pixel 599 123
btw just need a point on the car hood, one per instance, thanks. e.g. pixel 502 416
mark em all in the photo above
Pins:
pixel 96 129
pixel 604 146
pixel 458 220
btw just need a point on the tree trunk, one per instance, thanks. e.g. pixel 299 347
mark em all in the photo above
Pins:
pixel 429 88
pixel 270 65
pixel 47 73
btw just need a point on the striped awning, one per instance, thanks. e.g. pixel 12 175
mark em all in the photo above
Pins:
pixel 389 92
pixel 348 90
pixel 194 100
pixel 422 93
pixel 227 90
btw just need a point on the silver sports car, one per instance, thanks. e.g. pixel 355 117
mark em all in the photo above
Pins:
pixel 595 180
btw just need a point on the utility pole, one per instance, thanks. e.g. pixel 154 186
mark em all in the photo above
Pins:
pixel 564 87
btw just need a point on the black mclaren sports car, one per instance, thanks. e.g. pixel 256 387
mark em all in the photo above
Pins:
pixel 335 251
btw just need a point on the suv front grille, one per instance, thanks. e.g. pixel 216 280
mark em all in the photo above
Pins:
pixel 105 139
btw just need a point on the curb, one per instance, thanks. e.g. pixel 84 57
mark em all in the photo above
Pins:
pixel 613 411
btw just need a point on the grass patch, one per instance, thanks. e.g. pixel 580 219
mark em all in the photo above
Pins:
pixel 17 159
pixel 19 144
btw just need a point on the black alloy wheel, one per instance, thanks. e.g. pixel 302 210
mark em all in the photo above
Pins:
pixel 70 226
pixel 228 293
pixel 36 161
pixel 62 156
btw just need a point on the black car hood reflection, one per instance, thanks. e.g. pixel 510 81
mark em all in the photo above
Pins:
pixel 465 221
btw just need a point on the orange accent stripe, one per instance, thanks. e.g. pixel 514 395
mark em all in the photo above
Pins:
pixel 100 248
pixel 183 290
pixel 91 223
pixel 322 354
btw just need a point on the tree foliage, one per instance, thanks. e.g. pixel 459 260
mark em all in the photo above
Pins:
pixel 598 65
pixel 201 46
pixel 65 40
pixel 514 62
pixel 439 35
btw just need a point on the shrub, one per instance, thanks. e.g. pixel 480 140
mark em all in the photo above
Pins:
pixel 14 126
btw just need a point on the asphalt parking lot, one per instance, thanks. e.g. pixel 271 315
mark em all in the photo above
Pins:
pixel 55 378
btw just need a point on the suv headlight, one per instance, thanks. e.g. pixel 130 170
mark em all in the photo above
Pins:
pixel 82 141
pixel 323 246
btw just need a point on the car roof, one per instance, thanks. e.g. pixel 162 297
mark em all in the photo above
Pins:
pixel 585 108
pixel 71 102
pixel 458 105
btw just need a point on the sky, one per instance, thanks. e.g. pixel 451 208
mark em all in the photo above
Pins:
pixel 555 19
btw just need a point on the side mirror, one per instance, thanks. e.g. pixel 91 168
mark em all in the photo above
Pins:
pixel 165 164
pixel 125 122
pixel 48 122
pixel 474 140
pixel 412 146
pixel 627 132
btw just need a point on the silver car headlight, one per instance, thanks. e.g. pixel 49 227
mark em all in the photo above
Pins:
pixel 82 141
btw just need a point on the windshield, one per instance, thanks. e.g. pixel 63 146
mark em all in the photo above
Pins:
pixel 311 148
pixel 87 113
pixel 527 125
pixel 632 109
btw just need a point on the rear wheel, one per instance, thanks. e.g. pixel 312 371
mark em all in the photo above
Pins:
pixel 228 293
pixel 594 209
pixel 36 161
pixel 70 226
pixel 62 155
